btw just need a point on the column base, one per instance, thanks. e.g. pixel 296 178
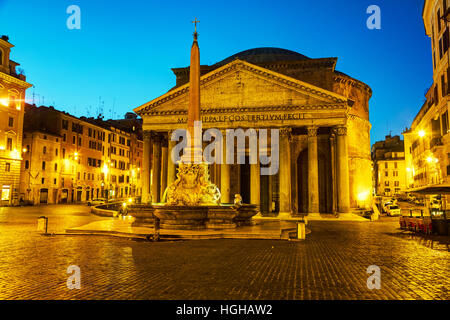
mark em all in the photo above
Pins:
pixel 284 215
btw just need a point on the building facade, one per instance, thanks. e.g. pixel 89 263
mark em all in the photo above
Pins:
pixel 427 142
pixel 12 96
pixel 70 159
pixel 324 131
pixel 389 166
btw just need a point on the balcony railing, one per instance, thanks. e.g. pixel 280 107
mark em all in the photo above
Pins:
pixel 436 141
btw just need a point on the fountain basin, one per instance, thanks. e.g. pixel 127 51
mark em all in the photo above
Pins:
pixel 204 217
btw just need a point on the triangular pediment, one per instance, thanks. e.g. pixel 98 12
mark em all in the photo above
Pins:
pixel 240 84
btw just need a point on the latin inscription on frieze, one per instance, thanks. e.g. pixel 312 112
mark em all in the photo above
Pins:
pixel 246 118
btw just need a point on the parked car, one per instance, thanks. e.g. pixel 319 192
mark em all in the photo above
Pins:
pixel 96 202
pixel 393 210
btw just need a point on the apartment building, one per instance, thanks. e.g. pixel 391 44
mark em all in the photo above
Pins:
pixel 12 96
pixel 70 159
pixel 389 166
pixel 427 142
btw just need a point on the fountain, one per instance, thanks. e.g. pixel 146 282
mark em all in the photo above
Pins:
pixel 192 201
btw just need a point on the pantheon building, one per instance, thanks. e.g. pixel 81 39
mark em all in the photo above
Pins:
pixel 323 120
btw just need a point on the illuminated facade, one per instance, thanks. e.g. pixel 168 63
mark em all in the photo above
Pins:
pixel 69 159
pixel 389 166
pixel 427 142
pixel 323 120
pixel 12 96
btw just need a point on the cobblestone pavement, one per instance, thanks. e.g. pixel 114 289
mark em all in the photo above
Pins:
pixel 330 264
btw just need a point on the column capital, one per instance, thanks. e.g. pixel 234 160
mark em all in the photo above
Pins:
pixel 147 135
pixel 312 131
pixel 285 131
pixel 340 130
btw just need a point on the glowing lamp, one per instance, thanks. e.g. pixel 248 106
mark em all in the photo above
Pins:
pixel 421 133
pixel 430 159
pixel 4 102
pixel 363 196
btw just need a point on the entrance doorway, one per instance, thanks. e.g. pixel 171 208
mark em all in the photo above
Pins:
pixel 43 196
pixel 244 181
pixel 302 181
pixel 64 196
pixel 325 179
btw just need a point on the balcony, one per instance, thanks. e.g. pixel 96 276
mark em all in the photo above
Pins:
pixel 436 142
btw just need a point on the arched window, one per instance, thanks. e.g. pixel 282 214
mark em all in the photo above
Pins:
pixel 1 57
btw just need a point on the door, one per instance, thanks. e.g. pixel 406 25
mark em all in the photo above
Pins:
pixel 43 196
pixel 245 181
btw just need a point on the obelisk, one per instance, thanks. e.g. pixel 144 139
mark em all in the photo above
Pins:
pixel 195 149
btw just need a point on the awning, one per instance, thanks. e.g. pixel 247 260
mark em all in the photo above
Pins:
pixel 431 189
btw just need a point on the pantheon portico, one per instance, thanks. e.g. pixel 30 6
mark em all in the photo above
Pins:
pixel 324 131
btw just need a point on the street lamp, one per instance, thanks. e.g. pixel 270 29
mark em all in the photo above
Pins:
pixel 421 133
pixel 4 102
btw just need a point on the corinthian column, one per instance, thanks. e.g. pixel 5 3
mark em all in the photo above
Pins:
pixel 255 179
pixel 170 165
pixel 146 167
pixel 224 174
pixel 342 170
pixel 285 173
pixel 313 172
pixel 164 167
pixel 156 169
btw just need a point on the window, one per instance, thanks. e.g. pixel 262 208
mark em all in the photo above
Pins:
pixel 27 164
pixel 397 183
pixel 42 180
pixel 386 183
pixel 444 120
pixel 43 165
pixel 64 153
pixel 11 122
pixel 6 192
pixel 385 165
pixel 73 139
pixel 54 181
pixel 438 20
pixel 9 144
pixel 8 167
pixel 395 165
pixel 443 85
pixel 79 141
pixel 56 152
pixel 65 124
pixel 56 167
pixel 44 150
pixel 386 174
pixel 64 137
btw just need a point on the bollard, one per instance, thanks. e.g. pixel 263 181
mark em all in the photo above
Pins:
pixel 42 224
pixel 301 232
pixel 156 229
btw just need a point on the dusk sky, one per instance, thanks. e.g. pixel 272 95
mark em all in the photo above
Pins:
pixel 125 49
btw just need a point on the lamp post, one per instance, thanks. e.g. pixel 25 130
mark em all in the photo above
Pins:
pixel 105 171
